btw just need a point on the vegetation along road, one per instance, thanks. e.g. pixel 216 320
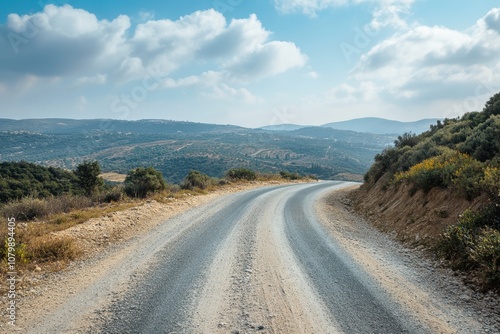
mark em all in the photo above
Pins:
pixel 278 259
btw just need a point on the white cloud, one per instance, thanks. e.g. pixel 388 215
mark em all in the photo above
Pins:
pixel 206 79
pixel 60 41
pixel 145 15
pixel 73 43
pixel 308 7
pixel 99 79
pixel 270 59
pixel 427 62
pixel 385 12
pixel 225 92
pixel 313 75
pixel 347 94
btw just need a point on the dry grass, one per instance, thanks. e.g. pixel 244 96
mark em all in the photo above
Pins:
pixel 35 239
pixel 36 244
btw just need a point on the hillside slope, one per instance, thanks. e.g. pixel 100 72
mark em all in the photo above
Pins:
pixel 441 189
pixel 175 148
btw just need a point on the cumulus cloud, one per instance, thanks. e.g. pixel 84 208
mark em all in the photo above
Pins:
pixel 269 59
pixel 225 92
pixel 385 12
pixel 431 61
pixel 313 75
pixel 60 41
pixel 347 93
pixel 72 43
pixel 99 79
pixel 491 20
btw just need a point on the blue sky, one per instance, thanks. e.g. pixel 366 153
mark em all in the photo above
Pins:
pixel 250 63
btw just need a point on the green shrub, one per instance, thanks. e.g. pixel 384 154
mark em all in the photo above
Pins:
pixel 241 174
pixel 474 243
pixel 114 194
pixel 486 253
pixel 141 182
pixel 290 176
pixel 196 179
pixel 491 183
pixel 449 168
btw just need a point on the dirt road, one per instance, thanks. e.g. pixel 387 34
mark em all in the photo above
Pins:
pixel 271 260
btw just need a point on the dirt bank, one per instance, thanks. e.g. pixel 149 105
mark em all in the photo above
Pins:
pixel 417 218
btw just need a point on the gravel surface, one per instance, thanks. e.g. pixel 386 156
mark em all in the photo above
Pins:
pixel 419 283
pixel 280 259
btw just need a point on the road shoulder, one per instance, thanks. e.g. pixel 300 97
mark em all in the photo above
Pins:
pixel 420 285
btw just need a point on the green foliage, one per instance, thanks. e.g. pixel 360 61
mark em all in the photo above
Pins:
pixel 87 174
pixel 454 153
pixel 112 194
pixel 175 153
pixel 22 179
pixel 406 139
pixel 142 181
pixel 492 107
pixel 474 243
pixel 491 183
pixel 196 179
pixel 290 176
pixel 449 168
pixel 241 174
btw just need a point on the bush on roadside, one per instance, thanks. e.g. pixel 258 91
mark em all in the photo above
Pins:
pixel 114 194
pixel 290 176
pixel 241 174
pixel 141 182
pixel 26 209
pixel 474 244
pixel 491 183
pixel 30 208
pixel 449 168
pixel 197 179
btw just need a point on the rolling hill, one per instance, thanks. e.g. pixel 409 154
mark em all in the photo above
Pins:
pixel 383 126
pixel 372 125
pixel 177 147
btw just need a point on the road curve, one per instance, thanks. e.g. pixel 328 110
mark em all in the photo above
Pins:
pixel 258 261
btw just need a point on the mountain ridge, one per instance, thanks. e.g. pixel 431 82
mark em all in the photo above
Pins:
pixel 374 125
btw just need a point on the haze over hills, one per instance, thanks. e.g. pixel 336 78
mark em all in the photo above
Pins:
pixel 368 125
pixel 175 148
pixel 146 126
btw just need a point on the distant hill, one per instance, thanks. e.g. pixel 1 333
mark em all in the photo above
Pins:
pixel 146 126
pixel 175 148
pixel 383 126
pixel 283 127
pixel 343 135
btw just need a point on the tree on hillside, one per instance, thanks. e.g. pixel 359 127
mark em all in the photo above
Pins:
pixel 492 107
pixel 88 176
pixel 142 181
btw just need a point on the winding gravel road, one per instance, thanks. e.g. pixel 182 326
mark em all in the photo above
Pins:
pixel 260 261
